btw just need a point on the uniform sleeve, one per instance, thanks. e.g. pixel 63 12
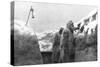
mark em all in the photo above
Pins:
pixel 55 39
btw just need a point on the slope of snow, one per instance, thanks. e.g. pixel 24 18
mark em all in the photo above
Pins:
pixel 43 34
pixel 91 24
pixel 22 28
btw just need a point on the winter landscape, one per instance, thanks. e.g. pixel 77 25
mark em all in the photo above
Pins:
pixel 34 27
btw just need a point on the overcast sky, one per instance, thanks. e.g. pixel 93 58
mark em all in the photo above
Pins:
pixel 50 16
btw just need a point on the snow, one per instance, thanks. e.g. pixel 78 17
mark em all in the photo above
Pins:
pixel 22 28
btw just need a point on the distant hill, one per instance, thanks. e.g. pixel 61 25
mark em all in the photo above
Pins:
pixel 46 41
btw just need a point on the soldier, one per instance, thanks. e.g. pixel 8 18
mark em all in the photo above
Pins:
pixel 67 46
pixel 56 44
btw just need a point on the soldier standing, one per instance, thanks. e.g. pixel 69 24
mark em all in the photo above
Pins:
pixel 67 52
pixel 56 44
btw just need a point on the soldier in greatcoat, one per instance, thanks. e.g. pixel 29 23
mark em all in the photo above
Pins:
pixel 67 52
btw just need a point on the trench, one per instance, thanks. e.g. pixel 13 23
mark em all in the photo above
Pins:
pixel 47 57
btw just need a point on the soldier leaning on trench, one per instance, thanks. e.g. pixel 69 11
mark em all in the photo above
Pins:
pixel 56 44
pixel 67 50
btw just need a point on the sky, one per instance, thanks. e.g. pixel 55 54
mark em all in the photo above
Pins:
pixel 49 16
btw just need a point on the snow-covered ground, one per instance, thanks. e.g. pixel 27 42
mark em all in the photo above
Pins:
pixel 45 45
pixel 20 26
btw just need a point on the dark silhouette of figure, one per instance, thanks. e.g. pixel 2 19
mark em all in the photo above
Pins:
pixel 56 44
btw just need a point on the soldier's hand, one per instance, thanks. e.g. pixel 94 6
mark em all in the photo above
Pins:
pixel 79 25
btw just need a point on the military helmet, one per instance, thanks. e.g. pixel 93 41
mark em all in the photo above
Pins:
pixel 69 24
